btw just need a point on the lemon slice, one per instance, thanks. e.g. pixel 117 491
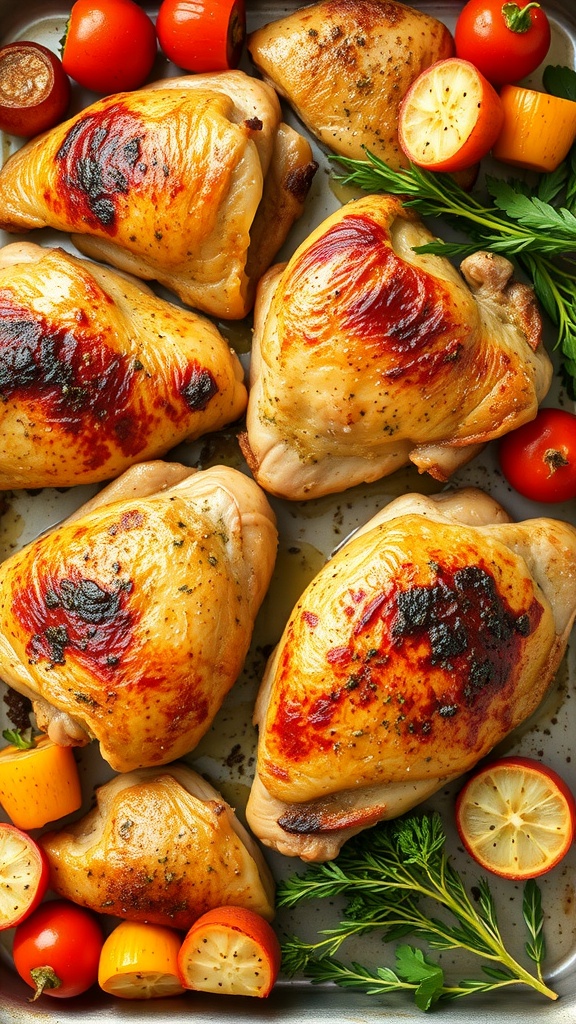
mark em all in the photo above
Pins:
pixel 139 961
pixel 232 951
pixel 450 117
pixel 516 817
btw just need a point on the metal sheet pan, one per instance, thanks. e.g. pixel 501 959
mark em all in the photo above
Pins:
pixel 309 532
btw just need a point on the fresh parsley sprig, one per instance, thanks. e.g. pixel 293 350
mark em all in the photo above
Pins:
pixel 390 876
pixel 536 229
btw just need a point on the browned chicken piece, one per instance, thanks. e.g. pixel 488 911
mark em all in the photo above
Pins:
pixel 160 846
pixel 425 640
pixel 97 373
pixel 130 622
pixel 345 66
pixel 367 355
pixel 194 182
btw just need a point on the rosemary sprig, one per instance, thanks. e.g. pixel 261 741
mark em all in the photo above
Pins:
pixel 386 874
pixel 537 230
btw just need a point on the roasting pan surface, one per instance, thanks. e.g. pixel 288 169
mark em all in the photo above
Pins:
pixel 309 532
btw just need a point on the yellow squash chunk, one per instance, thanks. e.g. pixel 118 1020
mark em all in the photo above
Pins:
pixel 139 961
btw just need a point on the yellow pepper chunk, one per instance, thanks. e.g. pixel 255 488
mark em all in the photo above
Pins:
pixel 139 961
pixel 39 784
pixel 538 129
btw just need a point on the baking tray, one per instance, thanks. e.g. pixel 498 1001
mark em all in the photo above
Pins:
pixel 309 532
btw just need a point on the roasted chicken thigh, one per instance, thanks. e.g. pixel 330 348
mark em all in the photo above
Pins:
pixel 367 355
pixel 130 622
pixel 193 181
pixel 161 846
pixel 97 373
pixel 345 66
pixel 429 636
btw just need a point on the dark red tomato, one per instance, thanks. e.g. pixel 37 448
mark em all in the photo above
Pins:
pixel 202 35
pixel 506 41
pixel 34 89
pixel 539 459
pixel 57 949
pixel 110 45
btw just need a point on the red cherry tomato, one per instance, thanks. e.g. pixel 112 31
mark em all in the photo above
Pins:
pixel 202 35
pixel 34 89
pixel 539 459
pixel 506 41
pixel 110 45
pixel 24 875
pixel 57 949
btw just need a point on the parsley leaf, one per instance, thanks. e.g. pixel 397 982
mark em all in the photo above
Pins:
pixel 560 80
pixel 391 876
pixel 412 966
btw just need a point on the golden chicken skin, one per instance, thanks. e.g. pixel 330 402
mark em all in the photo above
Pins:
pixel 193 182
pixel 98 373
pixel 368 355
pixel 162 846
pixel 129 623
pixel 426 639
pixel 344 66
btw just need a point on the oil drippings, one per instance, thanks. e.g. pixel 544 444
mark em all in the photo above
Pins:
pixel 296 566
pixel 238 334
pixel 11 527
pixel 343 193
pixel 218 449
pixel 227 753
pixel 403 481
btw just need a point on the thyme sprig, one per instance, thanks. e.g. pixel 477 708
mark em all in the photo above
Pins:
pixel 390 875
pixel 536 228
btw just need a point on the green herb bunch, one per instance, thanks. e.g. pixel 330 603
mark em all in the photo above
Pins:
pixel 533 225
pixel 392 875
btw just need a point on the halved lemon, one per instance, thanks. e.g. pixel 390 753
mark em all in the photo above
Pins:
pixel 139 961
pixel 450 117
pixel 516 817
pixel 230 950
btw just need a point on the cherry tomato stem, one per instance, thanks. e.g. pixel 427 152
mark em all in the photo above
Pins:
pixel 539 459
pixel 57 949
pixel 506 41
pixel 518 19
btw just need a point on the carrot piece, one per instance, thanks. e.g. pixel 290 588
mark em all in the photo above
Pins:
pixel 39 784
pixel 538 129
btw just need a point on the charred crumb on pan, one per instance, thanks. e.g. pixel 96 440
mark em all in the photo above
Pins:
pixel 18 709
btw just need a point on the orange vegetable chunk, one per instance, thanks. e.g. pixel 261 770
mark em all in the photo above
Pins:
pixel 40 784
pixel 538 129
